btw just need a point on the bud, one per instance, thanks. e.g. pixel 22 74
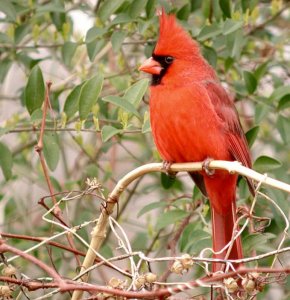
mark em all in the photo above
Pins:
pixel 186 261
pixel 231 285
pixel 115 283
pixel 177 267
pixel 150 277
pixel 249 285
pixel 9 271
pixel 140 282
pixel 5 292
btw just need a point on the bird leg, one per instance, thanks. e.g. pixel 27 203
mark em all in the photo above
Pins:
pixel 166 167
pixel 205 167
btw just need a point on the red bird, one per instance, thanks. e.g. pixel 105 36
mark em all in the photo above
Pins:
pixel 193 119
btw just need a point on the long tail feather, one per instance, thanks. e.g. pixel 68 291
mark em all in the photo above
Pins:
pixel 222 231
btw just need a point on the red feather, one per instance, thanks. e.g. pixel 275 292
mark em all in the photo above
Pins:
pixel 192 119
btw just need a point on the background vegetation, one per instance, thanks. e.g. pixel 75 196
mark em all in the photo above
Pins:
pixel 97 126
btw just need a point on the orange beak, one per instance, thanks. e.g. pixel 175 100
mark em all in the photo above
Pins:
pixel 151 66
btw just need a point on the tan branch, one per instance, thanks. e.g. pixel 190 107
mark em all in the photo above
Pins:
pixel 100 230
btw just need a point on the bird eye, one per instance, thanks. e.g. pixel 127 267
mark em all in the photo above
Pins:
pixel 168 59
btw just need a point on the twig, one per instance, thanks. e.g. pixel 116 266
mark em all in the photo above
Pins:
pixel 99 232
pixel 39 146
pixel 6 248
pixel 166 292
pixel 38 149
pixel 69 285
pixel 35 129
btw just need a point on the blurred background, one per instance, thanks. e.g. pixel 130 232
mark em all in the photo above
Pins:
pixel 98 127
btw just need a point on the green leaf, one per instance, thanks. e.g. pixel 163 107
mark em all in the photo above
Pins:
pixel 225 6
pixel 4 38
pixel 117 39
pixel 35 90
pixel 5 65
pixel 121 18
pixel 261 70
pixel 283 126
pixel 231 26
pixel 36 116
pixel 209 31
pixel 22 31
pixel 265 163
pixel 94 33
pixel 282 201
pixel 59 20
pixel 167 181
pixel 186 235
pixel 93 42
pixel 135 92
pixel 184 12
pixel 6 161
pixel 136 8
pixel 108 7
pixel 122 103
pixel 50 7
pixel 252 134
pixel 150 207
pixel 8 9
pixel 94 48
pixel 89 94
pixel 194 239
pixel 210 55
pixel 199 241
pixel 257 241
pixel 51 150
pixel 67 51
pixel 250 81
pixel 108 132
pixel 284 102
pixel 261 111
pixel 280 92
pixel 71 105
pixel 150 8
pixel 146 127
pixel 239 43
pixel 170 217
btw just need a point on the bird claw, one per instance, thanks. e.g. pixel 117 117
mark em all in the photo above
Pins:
pixel 205 167
pixel 166 167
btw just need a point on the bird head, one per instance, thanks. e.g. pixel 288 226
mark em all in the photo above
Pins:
pixel 175 53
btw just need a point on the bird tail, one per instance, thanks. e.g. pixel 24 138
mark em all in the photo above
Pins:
pixel 222 231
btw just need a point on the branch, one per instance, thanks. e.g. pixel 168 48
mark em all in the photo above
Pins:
pixel 34 129
pixel 100 230
pixel 39 146
pixel 50 271
pixel 166 292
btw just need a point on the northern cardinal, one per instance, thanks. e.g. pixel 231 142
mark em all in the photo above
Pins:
pixel 194 119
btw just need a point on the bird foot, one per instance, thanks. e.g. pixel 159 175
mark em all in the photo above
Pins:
pixel 166 167
pixel 205 167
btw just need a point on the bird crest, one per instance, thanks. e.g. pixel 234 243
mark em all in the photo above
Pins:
pixel 173 39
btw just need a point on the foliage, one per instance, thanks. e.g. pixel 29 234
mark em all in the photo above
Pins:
pixel 98 122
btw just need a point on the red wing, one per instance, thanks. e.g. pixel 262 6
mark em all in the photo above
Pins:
pixel 225 109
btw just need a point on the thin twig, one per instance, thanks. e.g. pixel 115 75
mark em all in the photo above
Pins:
pixel 39 146
pixel 99 232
